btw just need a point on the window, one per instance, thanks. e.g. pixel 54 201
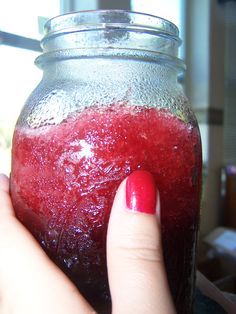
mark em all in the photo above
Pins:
pixel 18 78
pixel 171 10
pixel 168 9
pixel 24 17
pixel 20 30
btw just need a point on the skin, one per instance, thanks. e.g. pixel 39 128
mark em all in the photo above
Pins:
pixel 31 283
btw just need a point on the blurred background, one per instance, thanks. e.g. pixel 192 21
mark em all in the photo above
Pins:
pixel 208 31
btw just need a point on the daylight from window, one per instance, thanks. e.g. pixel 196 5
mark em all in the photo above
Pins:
pixel 167 9
pixel 19 75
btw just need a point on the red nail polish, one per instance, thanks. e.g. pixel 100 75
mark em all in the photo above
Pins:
pixel 141 192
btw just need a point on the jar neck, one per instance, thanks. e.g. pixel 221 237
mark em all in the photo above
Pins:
pixel 111 29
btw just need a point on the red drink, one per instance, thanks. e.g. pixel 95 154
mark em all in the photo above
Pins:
pixel 65 176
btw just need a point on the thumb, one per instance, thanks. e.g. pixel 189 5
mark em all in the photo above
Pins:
pixel 136 269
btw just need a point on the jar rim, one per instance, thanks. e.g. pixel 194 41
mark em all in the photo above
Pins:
pixel 94 19
pixel 111 29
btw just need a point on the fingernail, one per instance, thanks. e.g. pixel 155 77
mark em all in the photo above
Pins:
pixel 141 195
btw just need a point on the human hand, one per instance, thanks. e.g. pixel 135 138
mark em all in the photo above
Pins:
pixel 30 283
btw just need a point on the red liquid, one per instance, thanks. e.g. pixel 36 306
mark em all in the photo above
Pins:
pixel 64 179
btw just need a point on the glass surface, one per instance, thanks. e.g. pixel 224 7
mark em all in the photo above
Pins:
pixel 18 77
pixel 118 29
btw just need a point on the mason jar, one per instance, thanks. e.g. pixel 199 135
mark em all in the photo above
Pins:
pixel 109 103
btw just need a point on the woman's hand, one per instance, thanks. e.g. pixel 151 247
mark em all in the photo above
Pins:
pixel 30 283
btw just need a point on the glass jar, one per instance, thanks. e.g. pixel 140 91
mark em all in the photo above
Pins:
pixel 109 103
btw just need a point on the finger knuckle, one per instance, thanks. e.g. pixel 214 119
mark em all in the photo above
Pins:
pixel 141 247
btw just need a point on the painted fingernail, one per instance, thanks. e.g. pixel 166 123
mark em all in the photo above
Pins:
pixel 141 194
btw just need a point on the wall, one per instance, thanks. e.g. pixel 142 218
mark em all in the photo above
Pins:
pixel 208 53
pixel 230 85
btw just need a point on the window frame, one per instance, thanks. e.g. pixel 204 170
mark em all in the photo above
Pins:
pixel 17 41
